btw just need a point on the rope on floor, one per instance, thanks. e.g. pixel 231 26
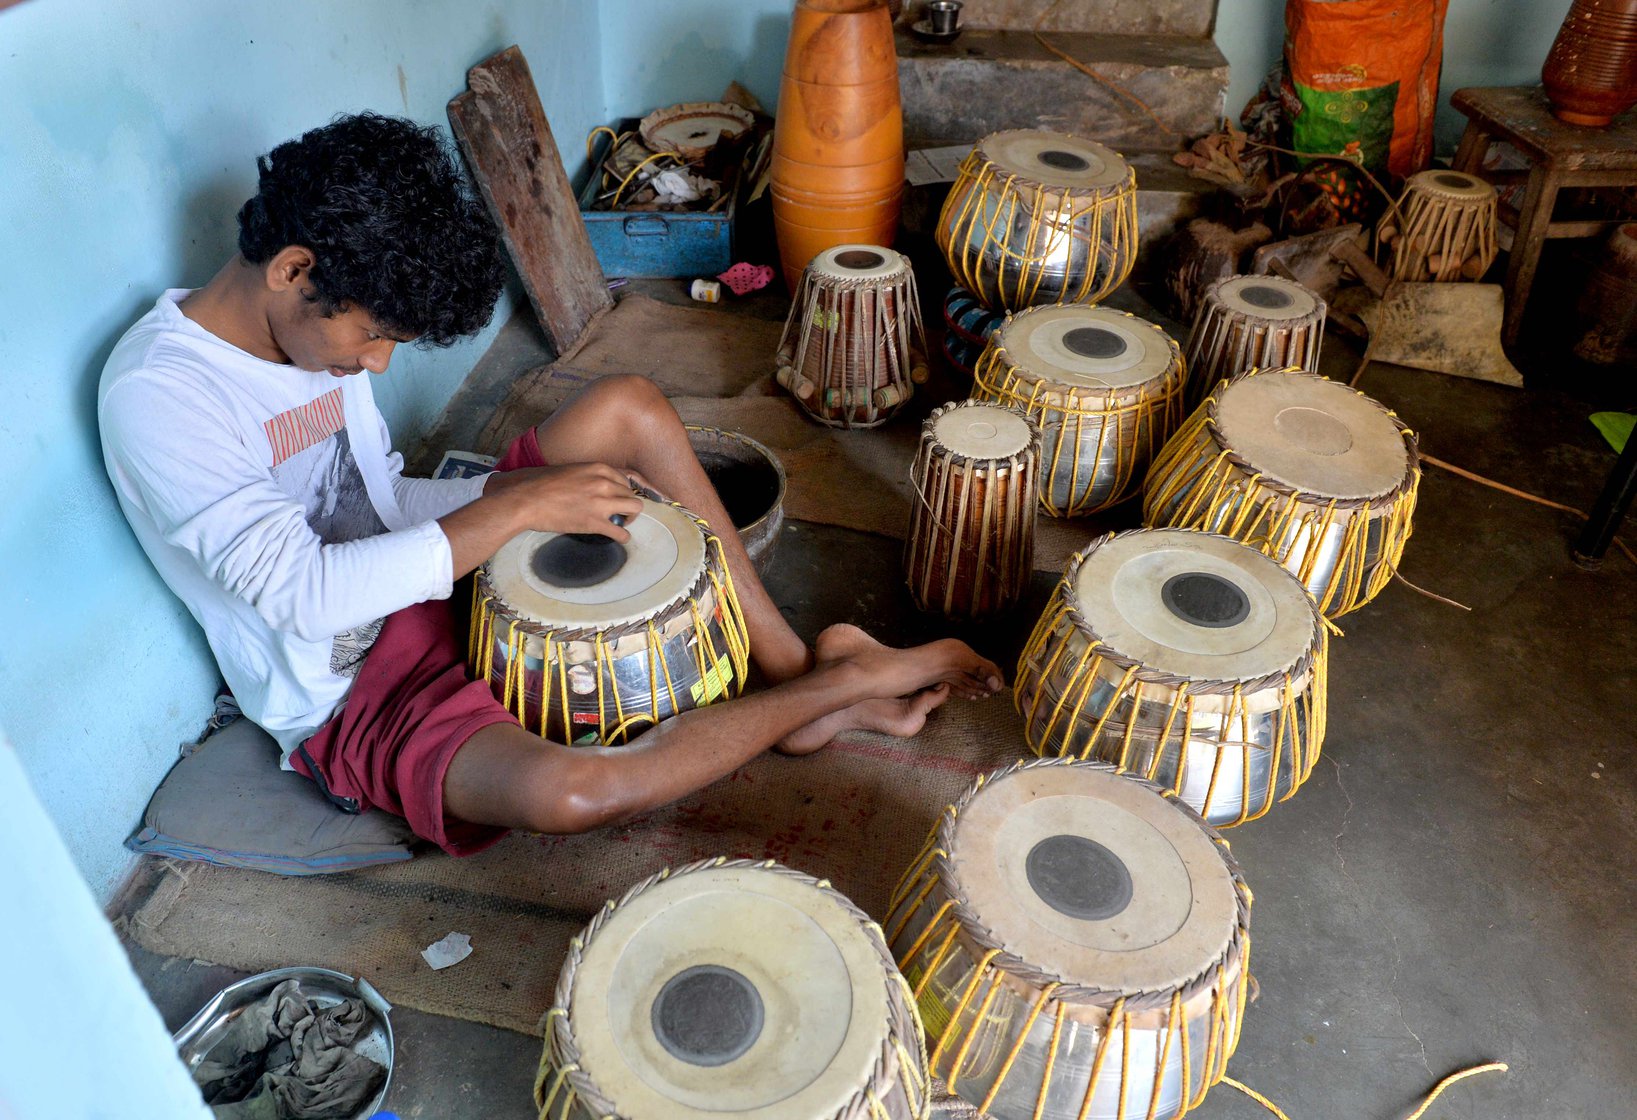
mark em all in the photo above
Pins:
pixel 1472 476
pixel 1459 1075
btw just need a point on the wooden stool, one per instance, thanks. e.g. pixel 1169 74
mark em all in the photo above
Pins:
pixel 1560 156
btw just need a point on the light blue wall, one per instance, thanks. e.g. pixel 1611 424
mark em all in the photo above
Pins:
pixel 129 135
pixel 1486 43
pixel 659 53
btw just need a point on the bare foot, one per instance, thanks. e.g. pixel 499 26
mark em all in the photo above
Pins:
pixel 900 672
pixel 901 717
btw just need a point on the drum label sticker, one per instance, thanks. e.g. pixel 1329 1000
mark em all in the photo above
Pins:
pixel 585 717
pixel 826 319
pixel 715 682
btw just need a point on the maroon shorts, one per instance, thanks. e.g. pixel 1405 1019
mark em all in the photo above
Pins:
pixel 410 709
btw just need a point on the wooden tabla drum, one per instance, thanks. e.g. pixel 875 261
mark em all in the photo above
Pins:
pixel 1442 229
pixel 1040 217
pixel 970 548
pixel 1078 944
pixel 1105 388
pixel 1187 658
pixel 853 346
pixel 734 990
pixel 1252 322
pixel 1314 474
pixel 586 640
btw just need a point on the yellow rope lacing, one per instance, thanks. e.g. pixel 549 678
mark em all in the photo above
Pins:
pixel 976 230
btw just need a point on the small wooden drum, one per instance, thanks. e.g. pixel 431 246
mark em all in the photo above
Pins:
pixel 732 989
pixel 1078 944
pixel 1105 388
pixel 586 640
pixel 1443 228
pixel 1316 475
pixel 1040 217
pixel 1252 322
pixel 970 548
pixel 853 347
pixel 1185 657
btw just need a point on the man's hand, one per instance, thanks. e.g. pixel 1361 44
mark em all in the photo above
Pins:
pixel 576 498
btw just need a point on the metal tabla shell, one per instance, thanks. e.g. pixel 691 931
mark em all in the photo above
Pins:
pixel 1038 990
pixel 1252 322
pixel 797 1011
pixel 1104 386
pixel 1312 473
pixel 853 346
pixel 576 668
pixel 969 551
pixel 1225 709
pixel 1037 217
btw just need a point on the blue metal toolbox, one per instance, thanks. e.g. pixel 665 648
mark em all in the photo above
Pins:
pixel 655 244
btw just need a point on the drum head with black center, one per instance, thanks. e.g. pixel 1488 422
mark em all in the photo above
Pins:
pixel 1196 605
pixel 730 991
pixel 589 581
pixel 1094 878
pixel 976 430
pixel 1055 159
pixel 1453 185
pixel 1313 434
pixel 1087 347
pixel 1265 297
pixel 860 262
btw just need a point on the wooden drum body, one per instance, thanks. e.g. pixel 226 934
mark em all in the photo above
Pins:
pixel 1078 944
pixel 970 548
pixel 732 990
pixel 1184 657
pixel 853 347
pixel 1252 322
pixel 1443 229
pixel 1040 217
pixel 589 641
pixel 1104 386
pixel 1312 473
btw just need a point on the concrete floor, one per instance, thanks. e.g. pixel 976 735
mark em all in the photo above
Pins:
pixel 1453 885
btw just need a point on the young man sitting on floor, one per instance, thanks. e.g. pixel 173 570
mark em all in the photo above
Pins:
pixel 261 481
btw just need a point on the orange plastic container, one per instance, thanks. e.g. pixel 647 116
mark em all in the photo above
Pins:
pixel 838 142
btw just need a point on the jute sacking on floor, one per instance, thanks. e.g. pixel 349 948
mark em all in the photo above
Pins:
pixel 855 813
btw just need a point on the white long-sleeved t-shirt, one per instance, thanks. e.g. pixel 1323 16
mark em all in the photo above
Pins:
pixel 271 502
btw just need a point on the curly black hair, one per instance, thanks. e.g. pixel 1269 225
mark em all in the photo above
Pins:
pixel 395 230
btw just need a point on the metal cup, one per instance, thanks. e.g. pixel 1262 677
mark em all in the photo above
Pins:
pixel 945 16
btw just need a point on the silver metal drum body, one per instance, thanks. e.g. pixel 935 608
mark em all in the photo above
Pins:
pixel 1058 244
pixel 1091 477
pixel 1235 752
pixel 1318 538
pixel 1153 1071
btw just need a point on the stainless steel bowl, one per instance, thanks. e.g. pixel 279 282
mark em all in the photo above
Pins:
pixel 195 1041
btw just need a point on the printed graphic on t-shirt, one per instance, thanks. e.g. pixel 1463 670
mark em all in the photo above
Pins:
pixel 313 463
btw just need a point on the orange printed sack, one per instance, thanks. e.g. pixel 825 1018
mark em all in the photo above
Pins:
pixel 1361 79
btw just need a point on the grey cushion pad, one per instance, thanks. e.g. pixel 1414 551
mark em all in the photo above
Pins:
pixel 228 802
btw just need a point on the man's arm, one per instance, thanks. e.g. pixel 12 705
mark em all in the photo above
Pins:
pixel 577 498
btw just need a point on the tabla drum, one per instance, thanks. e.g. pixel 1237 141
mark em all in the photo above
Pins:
pixel 1184 657
pixel 731 989
pixel 1105 388
pixel 853 347
pixel 1078 944
pixel 969 552
pixel 1442 228
pixel 586 640
pixel 1040 217
pixel 1314 474
pixel 1252 322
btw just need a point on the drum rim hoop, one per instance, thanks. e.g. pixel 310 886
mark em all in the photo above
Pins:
pixel 1069 991
pixel 939 450
pixel 903 1029
pixel 1064 397
pixel 1405 485
pixel 1314 316
pixel 979 158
